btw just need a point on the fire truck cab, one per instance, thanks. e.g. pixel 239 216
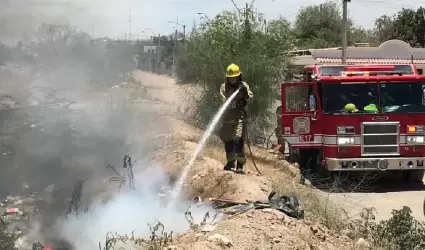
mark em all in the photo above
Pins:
pixel 357 118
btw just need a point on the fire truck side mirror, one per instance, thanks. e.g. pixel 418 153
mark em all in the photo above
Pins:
pixel 312 103
pixel 313 107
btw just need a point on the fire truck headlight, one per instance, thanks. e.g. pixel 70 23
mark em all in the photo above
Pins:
pixel 415 139
pixel 345 140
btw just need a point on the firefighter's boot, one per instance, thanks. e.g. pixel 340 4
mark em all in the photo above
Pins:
pixel 229 166
pixel 239 168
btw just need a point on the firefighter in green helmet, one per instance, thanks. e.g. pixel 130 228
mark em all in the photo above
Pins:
pixel 371 106
pixel 234 120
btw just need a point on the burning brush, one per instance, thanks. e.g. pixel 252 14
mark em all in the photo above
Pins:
pixel 39 246
pixel 58 245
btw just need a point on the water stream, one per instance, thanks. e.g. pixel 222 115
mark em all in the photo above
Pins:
pixel 179 185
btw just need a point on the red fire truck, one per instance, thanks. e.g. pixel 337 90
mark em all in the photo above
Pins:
pixel 319 128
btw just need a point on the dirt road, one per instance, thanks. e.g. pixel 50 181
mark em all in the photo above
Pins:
pixel 385 198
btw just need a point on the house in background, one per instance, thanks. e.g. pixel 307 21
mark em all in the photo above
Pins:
pixel 389 52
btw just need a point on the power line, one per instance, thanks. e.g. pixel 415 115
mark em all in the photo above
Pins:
pixel 236 6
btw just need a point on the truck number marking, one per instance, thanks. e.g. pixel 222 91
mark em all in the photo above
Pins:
pixel 306 138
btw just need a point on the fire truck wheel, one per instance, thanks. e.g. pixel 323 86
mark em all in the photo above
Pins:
pixel 414 176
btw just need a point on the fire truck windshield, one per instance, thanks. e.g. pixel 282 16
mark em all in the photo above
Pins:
pixel 402 97
pixel 361 95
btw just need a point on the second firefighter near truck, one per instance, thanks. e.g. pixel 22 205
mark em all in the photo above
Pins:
pixel 234 120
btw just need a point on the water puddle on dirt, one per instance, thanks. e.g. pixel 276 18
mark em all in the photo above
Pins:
pixel 179 185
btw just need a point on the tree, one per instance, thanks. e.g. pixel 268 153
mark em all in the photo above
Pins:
pixel 244 40
pixel 407 25
pixel 319 26
pixel 383 28
pixel 360 35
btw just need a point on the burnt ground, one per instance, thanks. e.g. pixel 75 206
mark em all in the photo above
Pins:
pixel 57 128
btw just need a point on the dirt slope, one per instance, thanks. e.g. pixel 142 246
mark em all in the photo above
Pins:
pixel 257 229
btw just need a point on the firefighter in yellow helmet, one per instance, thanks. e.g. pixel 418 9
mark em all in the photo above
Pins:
pixel 233 128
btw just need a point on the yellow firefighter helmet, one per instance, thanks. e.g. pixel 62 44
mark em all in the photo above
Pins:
pixel 233 70
pixel 350 107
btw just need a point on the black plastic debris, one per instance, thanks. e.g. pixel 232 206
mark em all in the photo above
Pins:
pixel 288 205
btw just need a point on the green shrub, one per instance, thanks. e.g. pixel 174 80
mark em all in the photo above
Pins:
pixel 400 232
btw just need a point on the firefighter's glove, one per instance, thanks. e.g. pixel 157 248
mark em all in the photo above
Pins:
pixel 243 90
pixel 241 103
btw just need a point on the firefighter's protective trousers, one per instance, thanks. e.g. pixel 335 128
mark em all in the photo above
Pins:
pixel 233 129
pixel 234 147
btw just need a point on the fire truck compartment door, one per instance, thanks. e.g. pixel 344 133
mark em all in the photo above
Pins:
pixel 299 116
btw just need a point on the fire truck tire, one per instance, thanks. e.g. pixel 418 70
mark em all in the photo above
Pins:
pixel 414 175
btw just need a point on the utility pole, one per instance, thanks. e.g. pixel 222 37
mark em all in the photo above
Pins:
pixel 184 33
pixel 174 54
pixel 158 52
pixel 129 24
pixel 344 31
pixel 150 54
pixel 173 68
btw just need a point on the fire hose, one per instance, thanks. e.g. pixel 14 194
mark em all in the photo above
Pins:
pixel 249 146
pixel 268 138
pixel 250 151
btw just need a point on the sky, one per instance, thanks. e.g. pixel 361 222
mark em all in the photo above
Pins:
pixel 111 17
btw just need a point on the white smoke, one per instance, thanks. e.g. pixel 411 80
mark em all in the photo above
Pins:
pixel 130 212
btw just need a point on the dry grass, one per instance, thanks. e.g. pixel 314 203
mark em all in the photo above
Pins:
pixel 211 184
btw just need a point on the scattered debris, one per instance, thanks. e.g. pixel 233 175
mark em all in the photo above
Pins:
pixel 286 204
